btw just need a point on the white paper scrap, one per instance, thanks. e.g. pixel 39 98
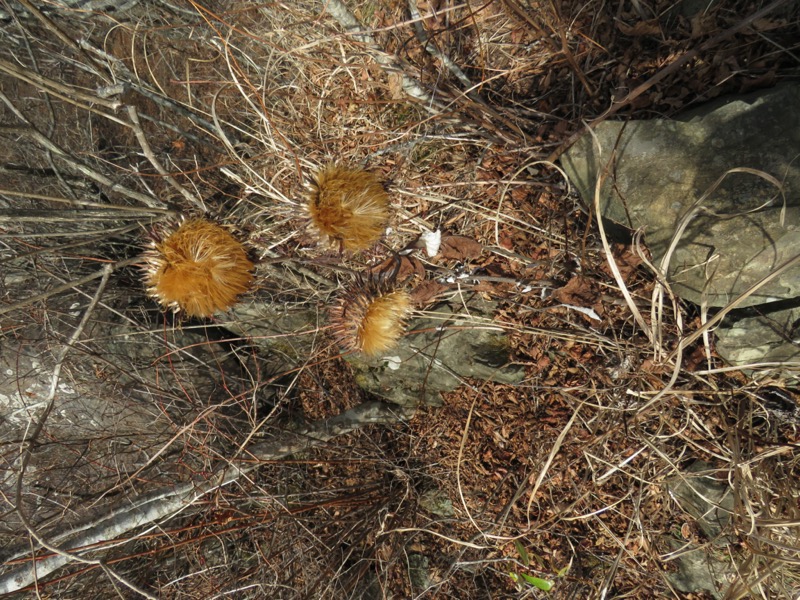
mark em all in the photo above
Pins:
pixel 433 240
pixel 393 362
pixel 587 311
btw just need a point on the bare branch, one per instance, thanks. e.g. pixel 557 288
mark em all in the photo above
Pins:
pixel 411 86
pixel 150 508
pixel 48 144
pixel 30 441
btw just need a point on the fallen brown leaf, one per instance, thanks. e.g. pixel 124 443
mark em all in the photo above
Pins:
pixel 426 292
pixel 640 28
pixel 408 268
pixel 459 247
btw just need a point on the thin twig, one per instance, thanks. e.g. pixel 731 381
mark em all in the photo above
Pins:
pixel 59 33
pixel 148 509
pixel 68 93
pixel 67 286
pixel 410 86
pixel 29 442
pixel 432 49
pixel 110 207
pixel 16 215
pixel 148 152
pixel 48 144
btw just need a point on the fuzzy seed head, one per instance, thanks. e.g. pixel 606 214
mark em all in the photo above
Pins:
pixel 198 268
pixel 348 207
pixel 370 319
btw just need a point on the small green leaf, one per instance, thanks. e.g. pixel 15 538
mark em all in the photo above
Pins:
pixel 514 577
pixel 523 554
pixel 562 572
pixel 542 584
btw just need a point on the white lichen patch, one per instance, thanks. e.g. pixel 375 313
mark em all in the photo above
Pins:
pixel 65 389
pixel 393 362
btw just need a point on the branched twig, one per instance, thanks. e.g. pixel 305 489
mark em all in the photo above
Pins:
pixel 131 81
pixel 16 215
pixel 59 33
pixel 67 286
pixel 148 152
pixel 431 48
pixel 29 442
pixel 69 93
pixel 49 145
pixel 105 206
pixel 148 509
pixel 410 86
pixel 476 106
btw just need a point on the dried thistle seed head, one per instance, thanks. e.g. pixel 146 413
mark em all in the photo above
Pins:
pixel 198 268
pixel 370 318
pixel 348 207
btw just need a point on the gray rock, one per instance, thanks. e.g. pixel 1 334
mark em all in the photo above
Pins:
pixel 663 176
pixel 708 499
pixel 762 336
pixel 447 348
pixel 700 571
pixel 437 503
pixel 418 571
pixel 437 354
pixel 285 334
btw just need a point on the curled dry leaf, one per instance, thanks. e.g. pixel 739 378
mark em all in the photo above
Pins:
pixel 460 247
pixel 409 267
pixel 426 292
pixel 640 28
pixel 579 292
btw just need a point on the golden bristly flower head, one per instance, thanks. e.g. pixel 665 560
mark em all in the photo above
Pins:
pixel 198 268
pixel 370 317
pixel 348 207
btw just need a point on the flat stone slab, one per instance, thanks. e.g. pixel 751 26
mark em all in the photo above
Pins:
pixel 438 353
pixel 762 339
pixel 661 176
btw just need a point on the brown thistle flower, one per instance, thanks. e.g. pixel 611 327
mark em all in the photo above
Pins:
pixel 198 268
pixel 370 317
pixel 347 206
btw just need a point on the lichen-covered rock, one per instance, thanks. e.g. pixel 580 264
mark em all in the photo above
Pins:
pixel 663 169
pixel 437 355
pixel 764 335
